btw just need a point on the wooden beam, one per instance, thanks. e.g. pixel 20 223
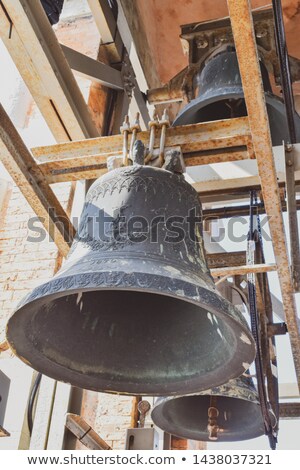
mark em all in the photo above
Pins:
pixel 29 178
pixel 85 433
pixel 32 44
pixel 92 69
pixel 245 269
pixel 245 44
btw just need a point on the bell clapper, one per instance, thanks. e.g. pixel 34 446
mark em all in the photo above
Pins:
pixel 134 129
pixel 164 122
pixel 213 413
pixel 152 127
pixel 125 129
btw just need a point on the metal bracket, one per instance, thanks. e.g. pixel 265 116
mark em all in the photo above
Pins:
pixel 142 439
pixel 276 329
pixel 202 40
pixel 128 76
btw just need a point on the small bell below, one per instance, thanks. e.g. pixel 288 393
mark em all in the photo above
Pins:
pixel 230 412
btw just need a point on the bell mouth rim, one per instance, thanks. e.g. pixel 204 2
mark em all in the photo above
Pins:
pixel 201 101
pixel 244 349
pixel 204 393
pixel 162 423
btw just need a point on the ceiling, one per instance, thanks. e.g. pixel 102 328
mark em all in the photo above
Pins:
pixel 157 23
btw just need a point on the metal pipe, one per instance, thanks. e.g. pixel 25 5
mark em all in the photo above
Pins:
pixel 285 74
pixel 227 212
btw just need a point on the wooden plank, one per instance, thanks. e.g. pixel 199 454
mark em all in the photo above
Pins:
pixel 35 50
pixel 26 174
pixel 56 434
pixel 92 69
pixel 85 433
pixel 240 270
pixel 31 77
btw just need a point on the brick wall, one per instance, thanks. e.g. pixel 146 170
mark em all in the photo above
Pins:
pixel 25 265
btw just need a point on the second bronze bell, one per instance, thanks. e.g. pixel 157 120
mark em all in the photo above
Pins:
pixel 230 412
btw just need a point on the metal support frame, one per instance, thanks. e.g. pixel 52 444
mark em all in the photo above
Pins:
pixel 289 410
pixel 115 45
pixel 27 175
pixel 244 38
pixel 244 269
pixel 93 69
pixel 201 144
pixel 87 159
pixel 289 152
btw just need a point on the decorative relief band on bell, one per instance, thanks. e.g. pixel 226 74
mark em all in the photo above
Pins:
pixel 149 282
pixel 114 181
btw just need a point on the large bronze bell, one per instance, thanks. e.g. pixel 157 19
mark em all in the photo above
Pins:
pixel 134 309
pixel 230 412
pixel 221 96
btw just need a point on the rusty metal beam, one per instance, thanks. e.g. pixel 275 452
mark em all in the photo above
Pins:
pixel 192 138
pixel 289 155
pixel 200 144
pixel 236 211
pixel 92 69
pixel 225 259
pixel 32 44
pixel 245 269
pixel 244 38
pixel 29 178
pixel 84 160
pixel 289 410
pixel 85 433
